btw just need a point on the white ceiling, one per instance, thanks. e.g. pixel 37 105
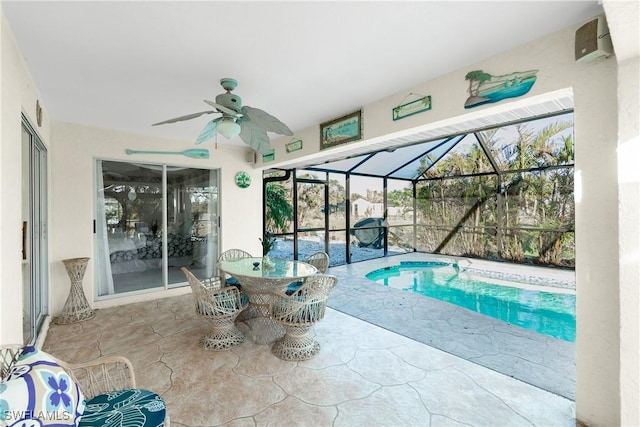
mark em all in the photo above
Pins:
pixel 125 65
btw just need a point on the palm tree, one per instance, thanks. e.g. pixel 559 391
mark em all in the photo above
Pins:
pixel 478 76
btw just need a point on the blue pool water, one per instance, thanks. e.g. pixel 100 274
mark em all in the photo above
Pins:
pixel 549 313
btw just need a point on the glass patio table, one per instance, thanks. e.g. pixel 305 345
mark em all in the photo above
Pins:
pixel 260 282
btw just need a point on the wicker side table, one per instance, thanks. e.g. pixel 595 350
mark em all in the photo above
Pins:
pixel 77 308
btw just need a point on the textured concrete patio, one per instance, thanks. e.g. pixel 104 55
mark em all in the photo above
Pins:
pixel 364 375
pixel 537 359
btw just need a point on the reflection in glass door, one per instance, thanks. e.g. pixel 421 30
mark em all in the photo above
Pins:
pixel 151 221
pixel 192 223
pixel 34 233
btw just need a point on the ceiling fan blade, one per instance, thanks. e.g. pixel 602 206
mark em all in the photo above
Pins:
pixel 224 109
pixel 265 120
pixel 255 137
pixel 209 131
pixel 187 117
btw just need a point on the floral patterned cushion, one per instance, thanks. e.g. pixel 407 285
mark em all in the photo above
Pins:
pixel 134 407
pixel 38 392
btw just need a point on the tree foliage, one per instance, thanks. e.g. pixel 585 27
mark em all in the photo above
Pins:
pixel 279 209
pixel 525 214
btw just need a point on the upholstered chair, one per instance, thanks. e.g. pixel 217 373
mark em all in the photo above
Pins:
pixel 86 394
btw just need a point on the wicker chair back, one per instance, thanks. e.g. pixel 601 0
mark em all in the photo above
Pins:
pixel 319 260
pixel 308 305
pixel 228 255
pixel 211 299
pixel 233 254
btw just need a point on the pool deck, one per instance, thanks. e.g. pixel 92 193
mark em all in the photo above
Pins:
pixel 536 359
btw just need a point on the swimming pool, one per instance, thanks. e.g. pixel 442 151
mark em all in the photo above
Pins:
pixel 549 311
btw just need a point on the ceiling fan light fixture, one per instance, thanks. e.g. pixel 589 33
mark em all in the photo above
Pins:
pixel 228 128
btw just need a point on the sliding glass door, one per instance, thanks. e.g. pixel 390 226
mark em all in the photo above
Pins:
pixel 151 221
pixel 35 279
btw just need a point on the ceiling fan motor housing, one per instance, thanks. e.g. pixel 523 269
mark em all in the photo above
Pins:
pixel 229 100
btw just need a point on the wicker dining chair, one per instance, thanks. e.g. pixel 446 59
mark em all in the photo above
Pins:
pixel 220 305
pixel 319 260
pixel 298 313
pixel 232 254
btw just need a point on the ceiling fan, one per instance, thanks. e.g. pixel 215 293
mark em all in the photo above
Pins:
pixel 252 124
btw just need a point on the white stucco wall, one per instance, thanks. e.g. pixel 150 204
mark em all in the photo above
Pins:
pixel 603 276
pixel 629 219
pixel 18 96
pixel 72 166
pixel 625 30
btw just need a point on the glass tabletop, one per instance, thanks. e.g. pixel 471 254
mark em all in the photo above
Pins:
pixel 254 267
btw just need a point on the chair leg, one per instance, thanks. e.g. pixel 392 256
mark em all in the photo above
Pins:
pixel 222 336
pixel 296 344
